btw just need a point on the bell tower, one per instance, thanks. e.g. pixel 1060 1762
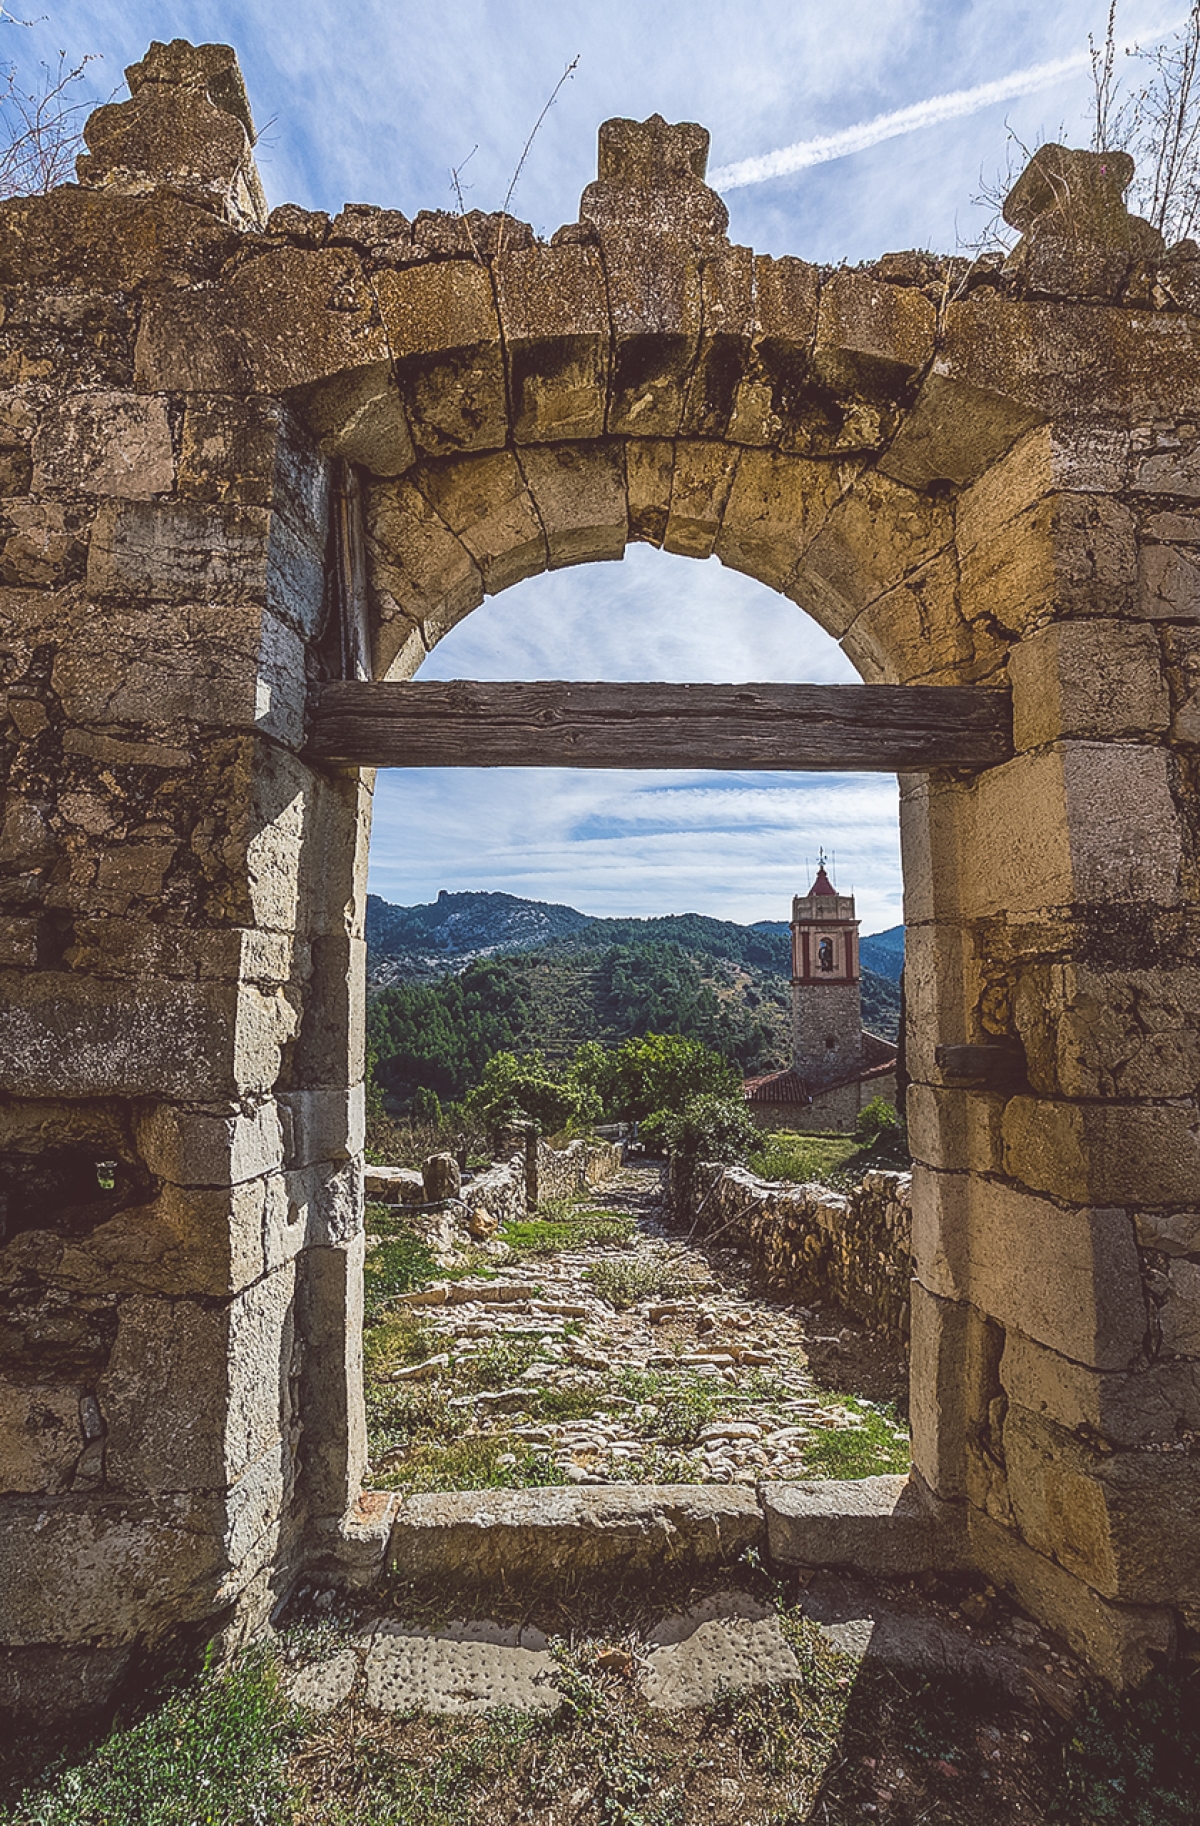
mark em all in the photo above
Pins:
pixel 826 993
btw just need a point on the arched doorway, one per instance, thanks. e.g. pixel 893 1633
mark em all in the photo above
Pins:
pixel 966 488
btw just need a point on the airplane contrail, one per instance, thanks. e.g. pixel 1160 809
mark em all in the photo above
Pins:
pixel 927 113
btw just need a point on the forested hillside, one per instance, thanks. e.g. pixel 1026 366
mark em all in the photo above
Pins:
pixel 442 1033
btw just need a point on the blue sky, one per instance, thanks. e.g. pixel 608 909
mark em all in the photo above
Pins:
pixel 375 100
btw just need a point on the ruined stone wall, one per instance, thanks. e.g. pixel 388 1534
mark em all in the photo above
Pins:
pixel 852 1250
pixel 969 473
pixel 580 1166
pixel 180 1059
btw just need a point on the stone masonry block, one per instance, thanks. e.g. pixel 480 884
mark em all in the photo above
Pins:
pixel 1123 1642
pixel 1087 679
pixel 1082 822
pixel 113 1571
pixel 1128 1522
pixel 1150 1406
pixel 953 433
pixel 876 534
pixel 360 417
pixel 330 1049
pixel 936 834
pixel 485 502
pixel 655 291
pixel 1168 584
pixel 886 1527
pixel 1109 1033
pixel 1075 456
pixel 649 474
pixel 418 570
pixel 1067 1276
pixel 1107 1153
pixel 177 665
pixel 916 632
pixel 1073 360
pixel 1182 646
pixel 444 335
pixel 178 551
pixel 580 498
pixel 329 1306
pixel 193 1395
pixel 952 1370
pixel 727 308
pixel 956 1130
pixel 942 990
pixel 1069 554
pixel 187 1241
pixel 323 1125
pixel 72 1036
pixel 539 1536
pixel 776 507
pixel 871 335
pixel 43 1436
pixel 703 476
pixel 554 312
pixel 213 1147
pixel 1177 1310
pixel 786 297
pixel 286 319
pixel 104 443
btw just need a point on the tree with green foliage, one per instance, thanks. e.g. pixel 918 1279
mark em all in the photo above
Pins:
pixel 877 1120
pixel 653 1073
pixel 514 1090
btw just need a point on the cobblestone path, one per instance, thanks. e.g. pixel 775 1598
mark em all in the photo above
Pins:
pixel 599 1346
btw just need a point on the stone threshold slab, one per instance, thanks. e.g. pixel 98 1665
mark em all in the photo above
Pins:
pixel 877 1526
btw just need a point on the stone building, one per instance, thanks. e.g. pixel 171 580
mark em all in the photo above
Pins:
pixel 837 1066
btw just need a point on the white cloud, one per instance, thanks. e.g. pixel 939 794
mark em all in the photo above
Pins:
pixel 928 113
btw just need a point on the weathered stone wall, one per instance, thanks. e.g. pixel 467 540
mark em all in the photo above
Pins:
pixel 968 474
pixel 854 1250
pixel 581 1165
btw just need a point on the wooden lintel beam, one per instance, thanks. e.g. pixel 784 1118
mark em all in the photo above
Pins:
pixel 801 728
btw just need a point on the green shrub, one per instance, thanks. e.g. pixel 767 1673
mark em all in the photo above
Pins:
pixel 709 1127
pixel 876 1120
pixel 624 1283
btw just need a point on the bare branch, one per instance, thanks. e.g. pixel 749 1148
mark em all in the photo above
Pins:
pixel 40 131
pixel 508 195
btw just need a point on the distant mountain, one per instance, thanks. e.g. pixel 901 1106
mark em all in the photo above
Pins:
pixel 410 947
pixel 883 952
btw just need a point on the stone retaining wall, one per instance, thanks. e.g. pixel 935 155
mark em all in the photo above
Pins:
pixel 813 1243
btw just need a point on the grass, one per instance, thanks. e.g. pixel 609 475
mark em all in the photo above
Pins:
pixel 210 1754
pixel 567 1228
pixel 803 1159
pixel 840 1743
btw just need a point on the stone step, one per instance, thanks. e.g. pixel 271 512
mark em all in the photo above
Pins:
pixel 880 1526
pixel 886 1527
pixel 552 1536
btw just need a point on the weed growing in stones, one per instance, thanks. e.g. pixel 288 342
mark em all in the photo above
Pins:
pixel 480 1461
pixel 623 1283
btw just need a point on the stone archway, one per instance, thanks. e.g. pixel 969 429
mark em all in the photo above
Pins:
pixel 969 477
